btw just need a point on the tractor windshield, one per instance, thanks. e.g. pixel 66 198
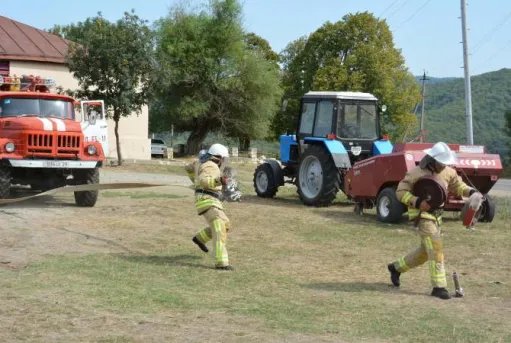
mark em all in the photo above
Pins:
pixel 22 107
pixel 358 121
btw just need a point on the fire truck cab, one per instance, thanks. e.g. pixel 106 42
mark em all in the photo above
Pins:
pixel 41 142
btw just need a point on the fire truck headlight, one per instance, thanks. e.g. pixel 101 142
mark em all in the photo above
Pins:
pixel 91 150
pixel 10 147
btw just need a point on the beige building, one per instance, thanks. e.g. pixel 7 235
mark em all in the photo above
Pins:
pixel 27 50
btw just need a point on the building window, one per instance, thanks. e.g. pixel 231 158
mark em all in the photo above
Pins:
pixel 4 68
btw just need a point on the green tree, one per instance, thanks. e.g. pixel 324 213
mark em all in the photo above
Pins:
pixel 209 79
pixel 356 53
pixel 293 88
pixel 259 46
pixel 112 61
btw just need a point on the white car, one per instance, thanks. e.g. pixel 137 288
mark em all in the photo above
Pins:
pixel 158 148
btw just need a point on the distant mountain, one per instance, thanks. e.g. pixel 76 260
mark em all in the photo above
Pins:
pixel 445 110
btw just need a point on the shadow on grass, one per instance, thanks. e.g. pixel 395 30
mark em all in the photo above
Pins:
pixel 354 287
pixel 183 260
pixel 288 200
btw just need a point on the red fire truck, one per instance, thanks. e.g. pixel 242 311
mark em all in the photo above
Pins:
pixel 41 142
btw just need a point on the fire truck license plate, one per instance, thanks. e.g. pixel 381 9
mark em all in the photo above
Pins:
pixel 56 164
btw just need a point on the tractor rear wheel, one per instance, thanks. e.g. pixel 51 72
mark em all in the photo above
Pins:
pixel 318 178
pixel 388 208
pixel 265 183
pixel 5 183
pixel 86 177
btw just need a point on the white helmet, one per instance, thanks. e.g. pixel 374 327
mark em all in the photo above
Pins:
pixel 218 150
pixel 442 153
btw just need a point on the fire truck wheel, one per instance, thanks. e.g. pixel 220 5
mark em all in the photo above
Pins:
pixel 5 183
pixel 83 177
pixel 388 208
pixel 487 210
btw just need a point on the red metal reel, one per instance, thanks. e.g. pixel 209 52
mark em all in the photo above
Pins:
pixel 431 189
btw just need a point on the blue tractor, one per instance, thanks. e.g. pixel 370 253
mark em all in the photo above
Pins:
pixel 335 130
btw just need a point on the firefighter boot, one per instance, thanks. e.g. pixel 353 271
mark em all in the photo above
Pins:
pixel 224 267
pixel 201 246
pixel 394 275
pixel 441 293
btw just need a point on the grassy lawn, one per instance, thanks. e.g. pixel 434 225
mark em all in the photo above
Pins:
pixel 301 274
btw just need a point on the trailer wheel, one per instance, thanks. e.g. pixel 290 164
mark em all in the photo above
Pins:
pixel 487 210
pixel 318 178
pixel 388 208
pixel 84 177
pixel 5 183
pixel 265 183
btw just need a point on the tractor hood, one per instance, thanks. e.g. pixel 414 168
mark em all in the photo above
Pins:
pixel 39 124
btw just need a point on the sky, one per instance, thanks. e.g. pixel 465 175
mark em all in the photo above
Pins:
pixel 428 32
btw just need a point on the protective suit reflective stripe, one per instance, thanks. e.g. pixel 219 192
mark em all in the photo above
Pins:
pixel 413 213
pixel 220 253
pixel 403 267
pixel 406 198
pixel 203 236
pixel 204 204
pixel 438 279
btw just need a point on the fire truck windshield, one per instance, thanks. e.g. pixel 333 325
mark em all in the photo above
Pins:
pixel 20 107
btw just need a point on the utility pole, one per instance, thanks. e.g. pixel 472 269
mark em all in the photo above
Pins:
pixel 468 90
pixel 422 108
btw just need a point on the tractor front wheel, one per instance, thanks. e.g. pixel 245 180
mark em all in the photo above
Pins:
pixel 265 183
pixel 388 208
pixel 318 178
pixel 86 177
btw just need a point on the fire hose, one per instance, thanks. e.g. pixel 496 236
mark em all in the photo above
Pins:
pixel 230 191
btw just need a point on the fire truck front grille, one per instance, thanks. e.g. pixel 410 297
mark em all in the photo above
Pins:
pixel 40 143
pixel 45 143
pixel 68 142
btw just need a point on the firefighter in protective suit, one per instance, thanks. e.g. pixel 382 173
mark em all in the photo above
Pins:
pixel 436 163
pixel 207 177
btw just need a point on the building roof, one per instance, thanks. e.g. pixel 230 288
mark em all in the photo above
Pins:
pixel 21 42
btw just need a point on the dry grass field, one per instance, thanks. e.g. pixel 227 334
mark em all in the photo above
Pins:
pixel 127 271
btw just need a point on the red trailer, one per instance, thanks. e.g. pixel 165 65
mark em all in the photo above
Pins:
pixel 373 181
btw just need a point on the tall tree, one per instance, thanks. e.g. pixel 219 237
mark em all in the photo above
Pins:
pixel 259 46
pixel 293 88
pixel 357 53
pixel 208 79
pixel 112 61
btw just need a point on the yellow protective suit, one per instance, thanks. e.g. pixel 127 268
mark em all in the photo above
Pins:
pixel 430 248
pixel 207 181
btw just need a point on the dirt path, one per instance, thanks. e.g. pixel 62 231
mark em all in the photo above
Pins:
pixel 54 225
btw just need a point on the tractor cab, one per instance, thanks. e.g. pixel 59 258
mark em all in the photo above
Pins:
pixel 352 118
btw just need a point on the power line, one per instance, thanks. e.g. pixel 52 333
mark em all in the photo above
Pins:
pixel 486 38
pixel 414 14
pixel 495 54
pixel 388 7
pixel 398 9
